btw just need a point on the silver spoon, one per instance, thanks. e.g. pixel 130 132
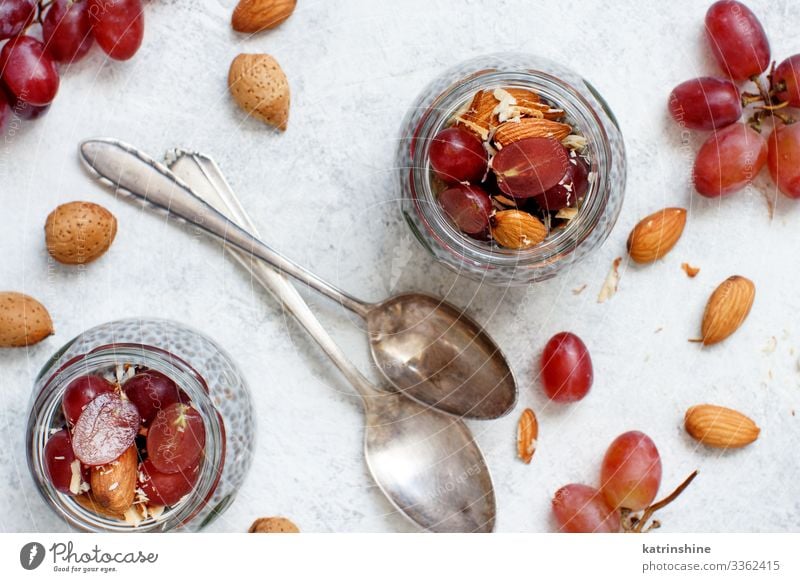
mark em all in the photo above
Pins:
pixel 424 346
pixel 425 462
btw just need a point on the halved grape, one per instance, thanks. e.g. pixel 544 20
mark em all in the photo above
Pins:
pixel 729 160
pixel 737 39
pixel 468 206
pixel 567 373
pixel 15 16
pixel 58 459
pixel 530 166
pixel 176 439
pixel 152 391
pixel 582 509
pixel 457 156
pixel 81 392
pixel 787 80
pixel 66 30
pixel 118 26
pixel 631 472
pixel 167 488
pixel 106 428
pixel 706 103
pixel 784 159
pixel 570 189
pixel 28 72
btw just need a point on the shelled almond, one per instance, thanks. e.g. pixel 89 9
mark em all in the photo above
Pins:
pixel 656 235
pixel 720 427
pixel 527 433
pixel 727 308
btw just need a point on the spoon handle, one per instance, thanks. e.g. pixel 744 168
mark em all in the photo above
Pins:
pixel 209 184
pixel 133 172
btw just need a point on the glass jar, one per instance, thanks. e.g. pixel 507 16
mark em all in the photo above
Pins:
pixel 585 110
pixel 200 368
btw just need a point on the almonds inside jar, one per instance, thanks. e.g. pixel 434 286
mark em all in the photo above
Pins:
pixel 509 149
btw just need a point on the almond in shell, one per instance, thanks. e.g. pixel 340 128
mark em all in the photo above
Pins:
pixel 727 308
pixel 515 229
pixel 259 85
pixel 527 434
pixel 77 233
pixel 114 484
pixel 720 427
pixel 257 15
pixel 511 131
pixel 23 320
pixel 655 235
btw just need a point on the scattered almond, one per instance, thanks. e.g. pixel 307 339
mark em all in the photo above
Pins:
pixel 527 433
pixel 690 270
pixel 257 15
pixel 114 484
pixel 23 320
pixel 77 233
pixel 611 283
pixel 655 235
pixel 273 525
pixel 727 308
pixel 259 85
pixel 720 427
pixel 512 131
pixel 515 229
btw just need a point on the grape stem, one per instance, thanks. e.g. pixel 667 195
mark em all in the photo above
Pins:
pixel 637 524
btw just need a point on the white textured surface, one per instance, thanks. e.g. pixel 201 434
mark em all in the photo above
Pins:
pixel 322 193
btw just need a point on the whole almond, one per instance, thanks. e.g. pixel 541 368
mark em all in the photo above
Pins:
pixel 273 525
pixel 655 235
pixel 720 427
pixel 77 233
pixel 511 131
pixel 257 15
pixel 259 85
pixel 114 484
pixel 727 308
pixel 527 433
pixel 23 320
pixel 87 502
pixel 515 229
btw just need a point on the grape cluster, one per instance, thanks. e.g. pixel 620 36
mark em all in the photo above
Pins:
pixel 734 154
pixel 41 34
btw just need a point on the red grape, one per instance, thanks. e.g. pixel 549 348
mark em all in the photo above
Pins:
pixel 167 488
pixel 457 156
pixel 58 459
pixel 729 160
pixel 706 103
pixel 631 471
pixel 530 166
pixel 81 392
pixel 581 509
pixel 5 111
pixel 176 438
pixel 787 79
pixel 566 368
pixel 15 16
pixel 152 391
pixel 106 428
pixel 784 159
pixel 118 26
pixel 28 72
pixel 468 206
pixel 737 39
pixel 66 30
pixel 570 189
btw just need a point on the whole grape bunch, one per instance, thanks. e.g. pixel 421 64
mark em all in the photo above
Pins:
pixel 41 34
pixel 735 152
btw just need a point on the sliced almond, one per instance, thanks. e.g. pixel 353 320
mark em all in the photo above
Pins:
pixel 511 131
pixel 655 235
pixel 690 271
pixel 515 229
pixel 727 308
pixel 527 433
pixel 114 484
pixel 720 427
pixel 479 116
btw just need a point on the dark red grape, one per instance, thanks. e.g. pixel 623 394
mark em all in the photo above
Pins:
pixel 468 206
pixel 167 488
pixel 176 439
pixel 152 391
pixel 787 79
pixel 66 30
pixel 457 156
pixel 784 159
pixel 567 373
pixel 729 160
pixel 631 472
pixel 106 428
pixel 15 16
pixel 737 39
pixel 5 111
pixel 58 459
pixel 582 509
pixel 81 392
pixel 530 166
pixel 118 26
pixel 706 103
pixel 570 189
pixel 28 72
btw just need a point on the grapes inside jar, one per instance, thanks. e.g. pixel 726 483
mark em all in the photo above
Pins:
pixel 510 167
pixel 152 432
